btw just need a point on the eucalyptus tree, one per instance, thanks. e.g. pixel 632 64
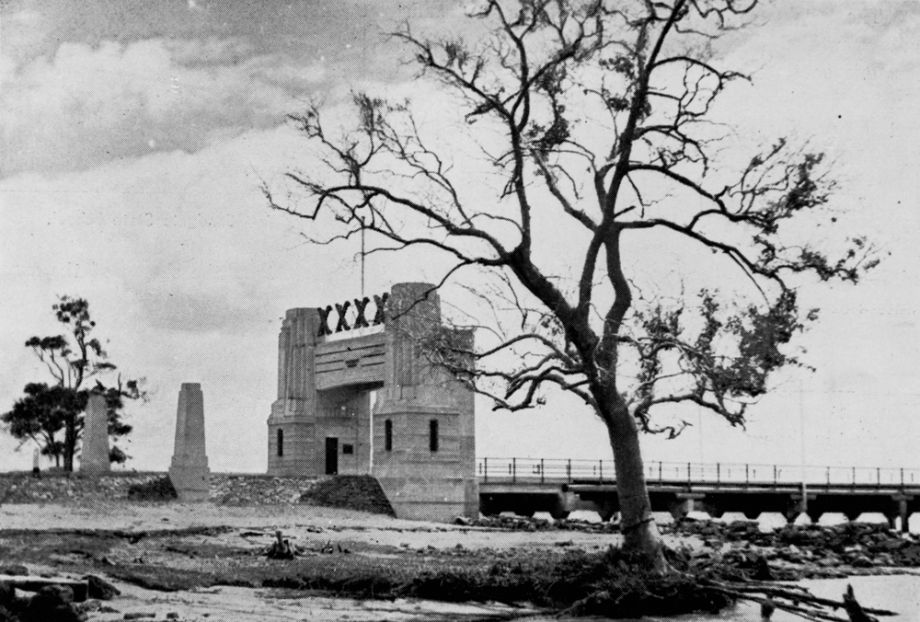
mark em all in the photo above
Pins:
pixel 51 414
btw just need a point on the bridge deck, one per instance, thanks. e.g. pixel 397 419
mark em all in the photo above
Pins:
pixel 526 485
pixel 692 475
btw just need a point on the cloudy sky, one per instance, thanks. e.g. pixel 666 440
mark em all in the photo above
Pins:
pixel 134 135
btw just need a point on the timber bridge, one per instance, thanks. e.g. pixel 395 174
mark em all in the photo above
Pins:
pixel 559 486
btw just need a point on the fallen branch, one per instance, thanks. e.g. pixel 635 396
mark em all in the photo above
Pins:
pixel 798 593
pixel 854 610
pixel 800 602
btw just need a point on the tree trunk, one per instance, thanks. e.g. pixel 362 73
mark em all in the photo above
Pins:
pixel 640 533
pixel 70 442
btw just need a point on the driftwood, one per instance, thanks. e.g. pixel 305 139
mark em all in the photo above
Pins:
pixel 799 601
pixel 281 548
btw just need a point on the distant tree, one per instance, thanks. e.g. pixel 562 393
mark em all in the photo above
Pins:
pixel 596 123
pixel 51 415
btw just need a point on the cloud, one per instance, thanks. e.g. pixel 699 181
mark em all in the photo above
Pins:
pixel 90 104
pixel 188 274
pixel 22 30
pixel 198 312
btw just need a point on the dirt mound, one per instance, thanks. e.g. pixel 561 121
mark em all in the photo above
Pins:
pixel 353 492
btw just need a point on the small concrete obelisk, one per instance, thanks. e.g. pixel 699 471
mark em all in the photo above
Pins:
pixel 189 469
pixel 94 456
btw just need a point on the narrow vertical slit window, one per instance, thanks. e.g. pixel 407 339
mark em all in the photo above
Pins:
pixel 433 435
pixel 388 435
pixel 280 442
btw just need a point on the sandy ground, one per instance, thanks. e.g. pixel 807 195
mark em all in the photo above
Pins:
pixel 235 604
pixel 308 527
pixel 302 523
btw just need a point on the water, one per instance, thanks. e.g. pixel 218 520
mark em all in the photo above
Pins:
pixel 900 593
pixel 768 520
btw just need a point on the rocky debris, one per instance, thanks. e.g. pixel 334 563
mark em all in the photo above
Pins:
pixel 258 489
pixel 158 489
pixel 57 486
pixel 100 589
pixel 520 523
pixel 32 583
pixel 786 553
pixel 353 492
pixel 807 550
pixel 329 548
pixel 53 603
pixel 14 570
pixel 7 596
pixel 61 487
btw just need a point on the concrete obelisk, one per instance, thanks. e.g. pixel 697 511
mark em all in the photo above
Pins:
pixel 189 469
pixel 94 456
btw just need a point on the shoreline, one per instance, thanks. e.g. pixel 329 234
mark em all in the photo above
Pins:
pixel 169 552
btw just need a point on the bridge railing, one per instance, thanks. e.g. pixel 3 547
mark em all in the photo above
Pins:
pixel 540 470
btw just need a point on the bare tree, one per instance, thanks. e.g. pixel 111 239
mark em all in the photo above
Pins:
pixel 597 116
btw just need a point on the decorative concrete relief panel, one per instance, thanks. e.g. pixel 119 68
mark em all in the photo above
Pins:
pixel 353 362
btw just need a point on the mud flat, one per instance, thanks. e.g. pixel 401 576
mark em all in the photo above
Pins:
pixel 208 561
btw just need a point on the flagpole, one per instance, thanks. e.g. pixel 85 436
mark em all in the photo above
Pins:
pixel 362 262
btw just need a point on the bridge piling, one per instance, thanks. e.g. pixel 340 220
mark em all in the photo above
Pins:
pixel 794 507
pixel 892 519
pixel 903 512
pixel 562 506
pixel 680 508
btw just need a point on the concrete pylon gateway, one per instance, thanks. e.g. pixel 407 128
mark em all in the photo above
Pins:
pixel 357 396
